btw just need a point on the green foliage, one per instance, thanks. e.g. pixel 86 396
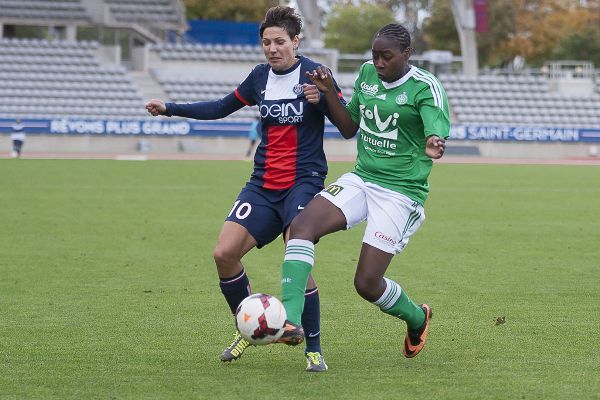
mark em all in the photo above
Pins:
pixel 407 10
pixel 350 29
pixel 501 25
pixel 582 46
pixel 230 10
pixel 540 32
pixel 439 29
pixel 108 288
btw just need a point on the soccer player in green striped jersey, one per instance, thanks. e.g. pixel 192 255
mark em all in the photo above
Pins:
pixel 400 114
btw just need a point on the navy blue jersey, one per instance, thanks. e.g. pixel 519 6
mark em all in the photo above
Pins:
pixel 291 147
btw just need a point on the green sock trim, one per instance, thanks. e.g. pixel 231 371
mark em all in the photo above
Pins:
pixel 294 276
pixel 408 311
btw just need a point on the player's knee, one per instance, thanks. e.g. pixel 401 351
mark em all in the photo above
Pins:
pixel 301 229
pixel 225 258
pixel 365 287
pixel 360 285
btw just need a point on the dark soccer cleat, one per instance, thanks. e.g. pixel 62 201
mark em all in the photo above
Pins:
pixel 315 361
pixel 292 335
pixel 235 349
pixel 415 339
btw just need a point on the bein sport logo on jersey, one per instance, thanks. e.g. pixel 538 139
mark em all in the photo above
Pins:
pixel 286 113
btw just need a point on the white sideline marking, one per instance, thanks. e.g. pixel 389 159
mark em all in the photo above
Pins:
pixel 130 157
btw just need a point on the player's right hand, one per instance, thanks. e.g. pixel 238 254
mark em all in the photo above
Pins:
pixel 156 107
pixel 435 147
pixel 312 94
pixel 322 78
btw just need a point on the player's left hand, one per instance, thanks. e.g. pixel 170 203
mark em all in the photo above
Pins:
pixel 435 147
pixel 312 94
pixel 321 76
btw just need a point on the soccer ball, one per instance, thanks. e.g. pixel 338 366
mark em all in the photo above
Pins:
pixel 260 319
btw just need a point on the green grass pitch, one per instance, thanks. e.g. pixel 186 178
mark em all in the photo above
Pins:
pixel 108 289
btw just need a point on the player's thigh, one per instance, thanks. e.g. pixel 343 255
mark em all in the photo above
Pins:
pixel 319 218
pixel 347 194
pixel 392 219
pixel 297 199
pixel 258 214
pixel 234 241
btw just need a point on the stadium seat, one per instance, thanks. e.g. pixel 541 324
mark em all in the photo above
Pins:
pixel 523 99
pixel 35 73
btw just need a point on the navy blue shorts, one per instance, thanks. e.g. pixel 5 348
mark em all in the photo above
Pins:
pixel 267 213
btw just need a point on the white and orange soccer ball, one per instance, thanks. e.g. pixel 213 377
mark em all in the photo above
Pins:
pixel 260 319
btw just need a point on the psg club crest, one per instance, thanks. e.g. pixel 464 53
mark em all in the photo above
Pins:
pixel 298 89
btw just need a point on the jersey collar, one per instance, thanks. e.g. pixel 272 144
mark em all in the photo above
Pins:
pixel 395 84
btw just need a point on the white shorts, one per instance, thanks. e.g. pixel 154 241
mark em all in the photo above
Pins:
pixel 391 217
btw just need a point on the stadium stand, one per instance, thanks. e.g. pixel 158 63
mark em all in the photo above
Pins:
pixel 44 9
pixel 50 79
pixel 153 12
pixel 221 52
pixel 152 20
pixel 66 77
pixel 518 100
pixel 209 52
pixel 185 90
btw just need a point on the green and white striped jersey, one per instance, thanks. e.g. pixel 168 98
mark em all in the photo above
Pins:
pixel 395 121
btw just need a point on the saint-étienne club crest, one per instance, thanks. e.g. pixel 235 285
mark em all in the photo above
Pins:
pixel 402 98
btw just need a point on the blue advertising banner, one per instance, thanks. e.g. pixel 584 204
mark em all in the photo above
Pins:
pixel 151 127
pixel 179 127
pixel 524 133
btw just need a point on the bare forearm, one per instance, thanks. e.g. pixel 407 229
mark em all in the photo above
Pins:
pixel 339 115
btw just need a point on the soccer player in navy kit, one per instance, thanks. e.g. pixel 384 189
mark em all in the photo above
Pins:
pixel 289 169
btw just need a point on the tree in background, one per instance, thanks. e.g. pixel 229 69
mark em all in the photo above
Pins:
pixel 350 29
pixel 582 45
pixel 408 9
pixel 492 46
pixel 440 31
pixel 550 29
pixel 230 10
pixel 366 17
pixel 537 30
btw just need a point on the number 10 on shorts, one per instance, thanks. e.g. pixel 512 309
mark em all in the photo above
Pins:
pixel 241 210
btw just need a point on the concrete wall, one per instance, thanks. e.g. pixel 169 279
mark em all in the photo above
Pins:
pixel 337 148
pixel 201 71
pixel 572 87
pixel 152 144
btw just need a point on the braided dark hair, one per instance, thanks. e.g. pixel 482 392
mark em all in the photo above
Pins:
pixel 396 32
pixel 282 17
